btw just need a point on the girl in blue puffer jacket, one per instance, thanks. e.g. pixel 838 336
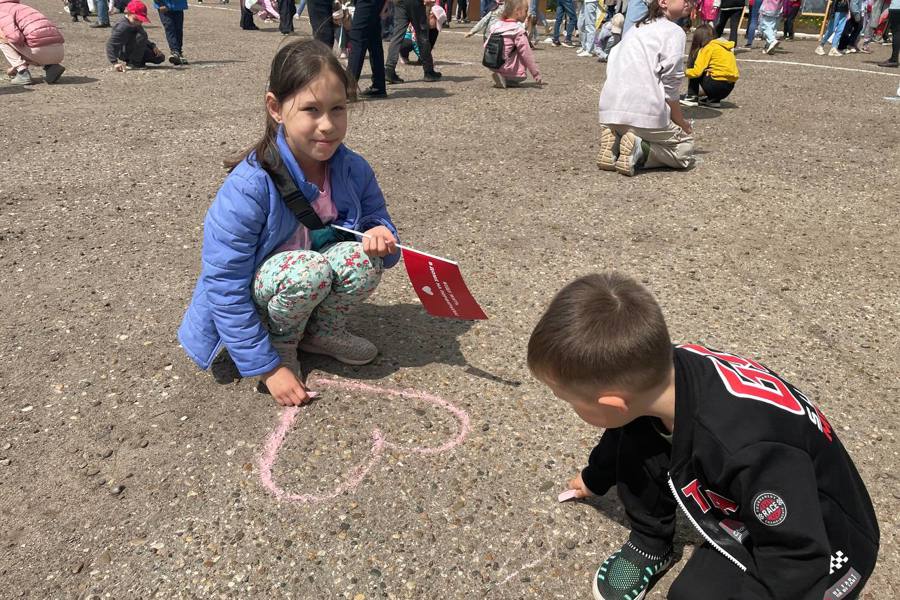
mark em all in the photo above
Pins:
pixel 267 283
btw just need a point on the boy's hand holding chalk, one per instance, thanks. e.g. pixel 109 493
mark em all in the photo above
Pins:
pixel 577 490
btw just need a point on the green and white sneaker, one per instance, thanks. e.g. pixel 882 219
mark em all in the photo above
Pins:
pixel 629 573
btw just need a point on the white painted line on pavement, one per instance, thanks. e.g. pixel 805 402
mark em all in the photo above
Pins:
pixel 802 64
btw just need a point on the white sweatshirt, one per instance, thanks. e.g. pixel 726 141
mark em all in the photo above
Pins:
pixel 645 69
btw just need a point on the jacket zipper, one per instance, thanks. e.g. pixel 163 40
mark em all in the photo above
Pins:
pixel 684 509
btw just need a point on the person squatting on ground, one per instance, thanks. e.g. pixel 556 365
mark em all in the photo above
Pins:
pixel 28 38
pixel 769 14
pixel 642 126
pixel 730 13
pixel 712 69
pixel 517 55
pixel 437 17
pixel 171 15
pixel 840 9
pixel 128 46
pixel 747 457
pixel 608 36
pixel 410 12
pixel 267 282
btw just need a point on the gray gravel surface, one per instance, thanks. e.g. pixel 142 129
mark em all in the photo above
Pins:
pixel 126 473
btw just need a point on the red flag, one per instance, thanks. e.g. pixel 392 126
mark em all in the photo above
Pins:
pixel 439 284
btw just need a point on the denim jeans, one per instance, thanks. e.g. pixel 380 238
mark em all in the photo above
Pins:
pixel 637 10
pixel 301 7
pixel 589 26
pixel 487 6
pixel 173 23
pixel 752 23
pixel 102 7
pixel 768 24
pixel 566 7
pixel 834 29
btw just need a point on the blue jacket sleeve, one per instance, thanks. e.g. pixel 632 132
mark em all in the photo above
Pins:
pixel 231 235
pixel 374 211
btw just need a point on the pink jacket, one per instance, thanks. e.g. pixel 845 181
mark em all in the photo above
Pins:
pixel 515 49
pixel 24 26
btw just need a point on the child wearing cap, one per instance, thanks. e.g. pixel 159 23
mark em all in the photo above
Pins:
pixel 749 459
pixel 437 17
pixel 609 35
pixel 171 15
pixel 128 45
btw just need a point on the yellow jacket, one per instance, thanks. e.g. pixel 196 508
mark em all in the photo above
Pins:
pixel 717 59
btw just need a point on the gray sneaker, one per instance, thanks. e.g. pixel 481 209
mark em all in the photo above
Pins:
pixel 348 348
pixel 52 73
pixel 629 573
pixel 609 149
pixel 631 155
pixel 22 78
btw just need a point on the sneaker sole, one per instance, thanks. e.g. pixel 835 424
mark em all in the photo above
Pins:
pixel 624 165
pixel 606 157
pixel 498 80
pixel 53 77
pixel 343 359
pixel 650 584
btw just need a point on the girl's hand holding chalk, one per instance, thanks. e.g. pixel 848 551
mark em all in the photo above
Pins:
pixel 286 388
pixel 576 491
pixel 379 241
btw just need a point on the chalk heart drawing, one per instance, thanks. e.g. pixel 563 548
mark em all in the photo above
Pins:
pixel 380 443
pixel 427 289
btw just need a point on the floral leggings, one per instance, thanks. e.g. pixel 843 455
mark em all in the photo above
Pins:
pixel 304 291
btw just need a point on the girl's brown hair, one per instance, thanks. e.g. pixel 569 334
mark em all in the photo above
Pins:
pixel 294 67
pixel 654 12
pixel 510 7
pixel 702 36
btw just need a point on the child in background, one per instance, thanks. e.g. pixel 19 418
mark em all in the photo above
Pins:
pixel 28 38
pixel 78 8
pixel 437 17
pixel 266 281
pixel 749 459
pixel 171 15
pixel 791 12
pixel 769 14
pixel 711 67
pixel 588 28
pixel 516 49
pixel 128 46
pixel 487 21
pixel 609 35
pixel 642 126
pixel 835 27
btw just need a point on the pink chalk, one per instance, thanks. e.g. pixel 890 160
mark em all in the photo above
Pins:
pixel 567 495
pixel 357 473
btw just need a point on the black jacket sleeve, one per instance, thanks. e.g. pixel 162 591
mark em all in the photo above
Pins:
pixel 791 551
pixel 600 473
pixel 118 39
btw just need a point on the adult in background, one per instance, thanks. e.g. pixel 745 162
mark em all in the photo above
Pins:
pixel 365 37
pixel 102 14
pixel 487 6
pixel 894 24
pixel 286 11
pixel 729 13
pixel 634 13
pixel 320 20
pixel 791 11
pixel 565 8
pixel 872 23
pixel 410 12
pixel 753 22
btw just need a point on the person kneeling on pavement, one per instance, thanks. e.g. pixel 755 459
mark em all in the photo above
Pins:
pixel 128 46
pixel 29 38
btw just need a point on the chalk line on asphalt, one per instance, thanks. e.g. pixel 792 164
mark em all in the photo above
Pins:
pixel 802 64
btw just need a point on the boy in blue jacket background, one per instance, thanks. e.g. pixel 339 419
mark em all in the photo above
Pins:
pixel 171 15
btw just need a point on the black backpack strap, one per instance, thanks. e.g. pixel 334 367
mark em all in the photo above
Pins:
pixel 292 195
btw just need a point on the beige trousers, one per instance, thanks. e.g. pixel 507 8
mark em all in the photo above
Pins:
pixel 669 146
pixel 19 56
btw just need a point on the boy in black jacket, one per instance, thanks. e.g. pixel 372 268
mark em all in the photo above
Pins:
pixel 752 462
pixel 128 45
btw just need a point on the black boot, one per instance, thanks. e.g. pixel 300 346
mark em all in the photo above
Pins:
pixel 390 75
pixel 432 75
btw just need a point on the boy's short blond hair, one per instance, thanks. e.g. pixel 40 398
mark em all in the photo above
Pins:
pixel 602 330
